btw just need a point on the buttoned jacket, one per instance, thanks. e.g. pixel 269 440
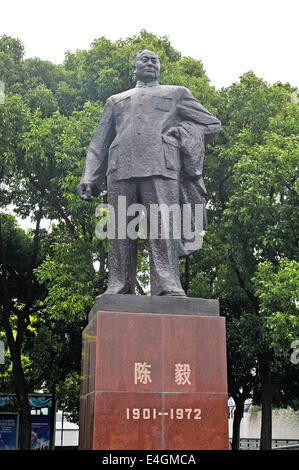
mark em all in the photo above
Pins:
pixel 131 140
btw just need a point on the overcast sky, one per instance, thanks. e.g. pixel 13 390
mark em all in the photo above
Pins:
pixel 229 36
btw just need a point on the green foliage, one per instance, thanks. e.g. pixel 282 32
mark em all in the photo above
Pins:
pixel 71 286
pixel 249 104
pixel 278 288
pixel 12 47
pixel 252 180
pixel 39 72
pixel 69 396
pixel 11 65
pixel 18 248
pixel 41 98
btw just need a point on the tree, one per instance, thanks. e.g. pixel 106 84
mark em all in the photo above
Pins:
pixel 18 258
pixel 277 288
pixel 253 217
pixel 11 57
pixel 253 202
pixel 242 366
pixel 258 217
pixel 53 348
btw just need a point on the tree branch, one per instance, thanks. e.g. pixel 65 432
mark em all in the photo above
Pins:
pixel 45 194
pixel 254 300
pixel 139 288
pixel 24 314
pixel 187 274
pixel 6 300
pixel 221 195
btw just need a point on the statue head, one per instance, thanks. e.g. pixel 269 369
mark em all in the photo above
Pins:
pixel 146 65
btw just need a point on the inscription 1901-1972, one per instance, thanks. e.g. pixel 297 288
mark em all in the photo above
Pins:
pixel 172 413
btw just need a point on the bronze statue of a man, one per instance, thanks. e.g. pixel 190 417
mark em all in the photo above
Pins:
pixel 150 143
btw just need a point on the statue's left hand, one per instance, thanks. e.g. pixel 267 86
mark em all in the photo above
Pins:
pixel 174 132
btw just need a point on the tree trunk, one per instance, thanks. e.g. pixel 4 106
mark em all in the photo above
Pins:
pixel 266 399
pixel 238 415
pixel 15 344
pixel 22 397
pixel 25 438
pixel 53 420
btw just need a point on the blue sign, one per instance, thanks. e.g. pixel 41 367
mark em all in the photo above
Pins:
pixel 42 401
pixel 40 432
pixel 8 431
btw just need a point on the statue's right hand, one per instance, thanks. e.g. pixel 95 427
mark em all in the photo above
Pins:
pixel 85 191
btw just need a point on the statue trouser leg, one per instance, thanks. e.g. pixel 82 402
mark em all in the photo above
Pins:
pixel 163 246
pixel 161 234
pixel 122 251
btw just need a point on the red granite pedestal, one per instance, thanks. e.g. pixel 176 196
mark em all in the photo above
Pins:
pixel 153 381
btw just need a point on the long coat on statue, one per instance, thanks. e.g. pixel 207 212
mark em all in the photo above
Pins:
pixel 192 187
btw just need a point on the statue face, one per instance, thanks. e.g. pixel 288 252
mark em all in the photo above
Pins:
pixel 147 66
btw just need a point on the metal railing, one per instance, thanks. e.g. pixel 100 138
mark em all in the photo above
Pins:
pixel 277 444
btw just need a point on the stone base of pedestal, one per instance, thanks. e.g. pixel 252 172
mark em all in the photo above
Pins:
pixel 154 381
